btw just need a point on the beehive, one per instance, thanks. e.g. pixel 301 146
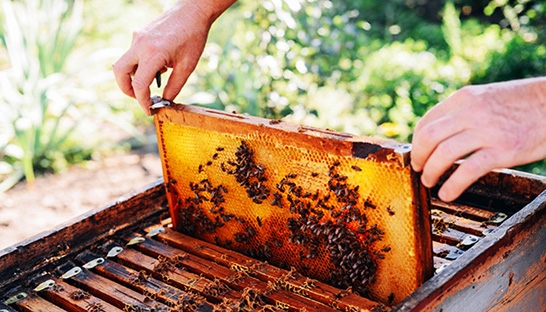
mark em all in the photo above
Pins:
pixel 339 208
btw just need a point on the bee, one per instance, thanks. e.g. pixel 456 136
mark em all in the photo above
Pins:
pixel 368 204
pixel 391 298
pixel 95 307
pixel 259 221
pixel 250 231
pixel 276 200
pixel 79 295
pixel 219 149
pixel 356 168
pixel 390 211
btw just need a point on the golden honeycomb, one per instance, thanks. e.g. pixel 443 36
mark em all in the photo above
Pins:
pixel 341 209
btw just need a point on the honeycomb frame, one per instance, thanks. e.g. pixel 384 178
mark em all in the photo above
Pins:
pixel 344 209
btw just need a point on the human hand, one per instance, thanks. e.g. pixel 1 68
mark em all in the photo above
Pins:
pixel 175 39
pixel 499 125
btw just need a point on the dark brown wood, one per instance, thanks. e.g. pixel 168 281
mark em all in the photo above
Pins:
pixel 117 295
pixel 462 210
pixel 503 190
pixel 203 270
pixel 212 271
pixel 66 296
pixel 35 303
pixel 322 292
pixel 177 276
pixel 40 250
pixel 460 223
pixel 140 280
pixel 449 236
pixel 505 271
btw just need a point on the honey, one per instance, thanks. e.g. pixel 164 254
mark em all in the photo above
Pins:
pixel 341 209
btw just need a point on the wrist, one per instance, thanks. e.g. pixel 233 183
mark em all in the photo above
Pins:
pixel 210 10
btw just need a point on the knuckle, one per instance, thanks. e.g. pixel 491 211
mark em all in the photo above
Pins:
pixel 446 150
pixel 138 84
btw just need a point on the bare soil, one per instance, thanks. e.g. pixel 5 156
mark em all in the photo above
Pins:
pixel 56 199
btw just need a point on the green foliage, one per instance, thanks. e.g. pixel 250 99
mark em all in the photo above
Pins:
pixel 50 112
pixel 365 67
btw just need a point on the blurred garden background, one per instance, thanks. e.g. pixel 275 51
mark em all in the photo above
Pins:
pixel 367 67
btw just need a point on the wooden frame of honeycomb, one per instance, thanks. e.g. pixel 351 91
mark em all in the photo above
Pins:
pixel 343 209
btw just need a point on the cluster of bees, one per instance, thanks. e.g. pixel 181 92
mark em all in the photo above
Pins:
pixel 164 265
pixel 354 264
pixel 216 289
pixel 317 225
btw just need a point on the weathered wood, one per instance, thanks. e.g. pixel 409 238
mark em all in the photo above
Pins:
pixel 145 283
pixel 175 276
pixel 502 190
pixel 460 223
pixel 212 271
pixel 35 303
pixel 439 262
pixel 74 299
pixel 119 296
pixel 450 236
pixel 198 280
pixel 505 271
pixel 42 249
pixel 462 210
pixel 266 272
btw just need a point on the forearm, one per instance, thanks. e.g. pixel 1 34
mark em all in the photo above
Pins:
pixel 211 9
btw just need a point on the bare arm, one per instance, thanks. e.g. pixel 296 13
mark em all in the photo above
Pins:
pixel 500 125
pixel 175 39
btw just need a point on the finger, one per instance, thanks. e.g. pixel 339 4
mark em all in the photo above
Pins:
pixel 446 153
pixel 426 139
pixel 468 172
pixel 177 80
pixel 123 69
pixel 144 76
pixel 455 102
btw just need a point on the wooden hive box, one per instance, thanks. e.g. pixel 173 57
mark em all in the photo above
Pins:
pixel 489 255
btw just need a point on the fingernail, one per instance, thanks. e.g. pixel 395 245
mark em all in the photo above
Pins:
pixel 425 182
pixel 444 195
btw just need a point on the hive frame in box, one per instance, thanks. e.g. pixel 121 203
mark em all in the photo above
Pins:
pixel 503 272
pixel 195 142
